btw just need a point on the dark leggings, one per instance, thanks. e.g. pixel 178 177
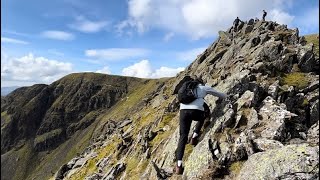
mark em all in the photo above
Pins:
pixel 186 117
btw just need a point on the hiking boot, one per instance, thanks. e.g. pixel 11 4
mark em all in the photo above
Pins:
pixel 194 141
pixel 179 170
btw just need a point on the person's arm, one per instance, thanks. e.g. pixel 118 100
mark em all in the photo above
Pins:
pixel 213 92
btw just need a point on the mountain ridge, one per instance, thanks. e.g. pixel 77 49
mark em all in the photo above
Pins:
pixel 264 66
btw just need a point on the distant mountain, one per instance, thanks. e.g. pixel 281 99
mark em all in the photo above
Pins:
pixel 6 90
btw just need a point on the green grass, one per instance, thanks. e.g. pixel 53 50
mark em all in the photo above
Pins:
pixel 236 167
pixel 312 38
pixel 5 119
pixel 48 135
pixel 297 79
pixel 135 167
pixel 188 150
pixel 167 118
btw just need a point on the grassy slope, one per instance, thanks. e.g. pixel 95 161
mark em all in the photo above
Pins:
pixel 142 116
pixel 48 162
pixel 314 38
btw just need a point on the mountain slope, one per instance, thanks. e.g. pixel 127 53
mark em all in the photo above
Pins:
pixel 271 75
pixel 44 117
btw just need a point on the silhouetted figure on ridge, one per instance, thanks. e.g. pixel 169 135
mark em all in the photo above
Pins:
pixel 264 15
pixel 236 24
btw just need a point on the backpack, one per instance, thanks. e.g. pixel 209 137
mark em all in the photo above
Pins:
pixel 186 93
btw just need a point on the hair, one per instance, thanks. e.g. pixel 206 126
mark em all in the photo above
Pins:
pixel 200 80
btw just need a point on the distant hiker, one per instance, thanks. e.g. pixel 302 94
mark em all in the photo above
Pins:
pixel 264 15
pixel 193 110
pixel 256 20
pixel 235 24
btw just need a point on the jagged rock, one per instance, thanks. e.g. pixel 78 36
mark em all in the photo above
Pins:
pixel 228 118
pixel 263 144
pixel 161 173
pixel 239 117
pixel 225 153
pixel 302 41
pixel 59 175
pixel 313 134
pixel 314 112
pixel 274 116
pixel 225 38
pixel 273 164
pixel 72 162
pixel 218 55
pixel 264 38
pixel 252 118
pixel 273 89
pixel 114 171
pixel 124 123
pixel 247 29
pixel 245 100
pixel 255 41
pixel 80 162
pixel 94 176
pixel 103 162
pixel 306 59
pixel 313 86
pixel 296 141
pixel 243 147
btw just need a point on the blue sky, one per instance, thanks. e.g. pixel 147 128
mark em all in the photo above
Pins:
pixel 42 41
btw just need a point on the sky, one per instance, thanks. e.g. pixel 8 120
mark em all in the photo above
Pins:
pixel 42 41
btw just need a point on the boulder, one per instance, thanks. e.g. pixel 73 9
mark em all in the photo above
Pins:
pixel 280 162
pixel 245 100
pixel 274 117
pixel 263 144
pixel 114 171
pixel 313 134
pixel 273 89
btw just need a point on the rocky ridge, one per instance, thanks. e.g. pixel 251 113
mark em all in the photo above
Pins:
pixel 267 128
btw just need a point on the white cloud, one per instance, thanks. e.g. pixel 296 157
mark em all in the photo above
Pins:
pixel 105 70
pixel 114 54
pixel 168 36
pixel 197 18
pixel 143 69
pixel 12 40
pixel 84 25
pixel 190 55
pixel 30 69
pixel 166 72
pixel 58 35
pixel 281 17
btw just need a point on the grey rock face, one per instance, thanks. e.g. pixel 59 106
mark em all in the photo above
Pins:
pixel 274 116
pixel 282 162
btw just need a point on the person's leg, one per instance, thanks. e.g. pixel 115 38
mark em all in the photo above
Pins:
pixel 199 117
pixel 185 124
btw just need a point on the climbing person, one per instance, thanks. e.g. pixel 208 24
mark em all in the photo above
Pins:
pixel 264 15
pixel 189 111
pixel 235 24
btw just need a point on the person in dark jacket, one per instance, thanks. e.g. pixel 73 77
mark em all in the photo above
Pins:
pixel 193 111
pixel 236 24
pixel 264 15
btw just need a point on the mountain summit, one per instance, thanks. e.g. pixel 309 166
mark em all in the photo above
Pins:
pixel 94 126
